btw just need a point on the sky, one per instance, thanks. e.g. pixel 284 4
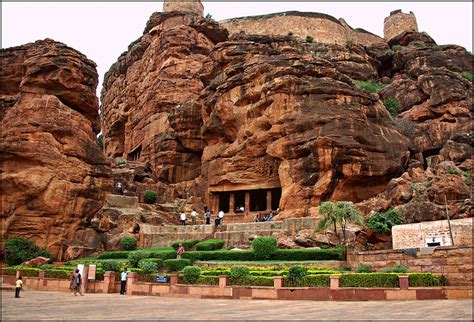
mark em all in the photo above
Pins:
pixel 103 30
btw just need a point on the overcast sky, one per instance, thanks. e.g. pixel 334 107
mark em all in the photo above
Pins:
pixel 102 31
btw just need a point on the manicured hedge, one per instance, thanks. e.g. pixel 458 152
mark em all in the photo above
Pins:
pixel 280 254
pixel 369 280
pixel 264 247
pixel 162 255
pixel 423 279
pixel 308 254
pixel 320 280
pixel 211 244
pixel 253 281
pixel 157 261
pixel 115 254
pixel 187 244
pixel 176 265
pixel 61 274
pixel 208 280
pixel 241 255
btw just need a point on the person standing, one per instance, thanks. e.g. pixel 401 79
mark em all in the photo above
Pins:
pixel 194 216
pixel 221 217
pixel 19 286
pixel 123 281
pixel 180 251
pixel 77 282
pixel 182 218
pixel 208 217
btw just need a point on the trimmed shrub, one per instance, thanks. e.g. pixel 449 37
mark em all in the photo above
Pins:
pixel 371 86
pixel 176 265
pixel 364 268
pixel 309 39
pixel 396 269
pixel 111 266
pixel 135 257
pixel 157 261
pixel 46 266
pixel 191 274
pixel 149 196
pixel 253 281
pixel 309 254
pixel 61 274
pixel 264 247
pixel 187 244
pixel 425 279
pixel 211 244
pixel 129 243
pixel 369 280
pixel 296 274
pixel 322 280
pixel 237 273
pixel 220 255
pixel 162 255
pixel 147 266
pixel 208 280
pixel 114 255
pixel 19 250
pixel 392 105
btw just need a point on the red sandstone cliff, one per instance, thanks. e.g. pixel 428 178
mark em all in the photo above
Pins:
pixel 54 176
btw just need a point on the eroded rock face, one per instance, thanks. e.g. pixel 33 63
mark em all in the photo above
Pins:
pixel 145 94
pixel 275 115
pixel 54 176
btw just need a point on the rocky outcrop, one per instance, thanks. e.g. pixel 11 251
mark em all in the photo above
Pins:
pixel 54 176
pixel 288 118
pixel 145 91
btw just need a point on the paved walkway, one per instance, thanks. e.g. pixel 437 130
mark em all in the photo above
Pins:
pixel 35 305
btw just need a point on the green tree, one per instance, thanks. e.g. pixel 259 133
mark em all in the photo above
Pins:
pixel 339 213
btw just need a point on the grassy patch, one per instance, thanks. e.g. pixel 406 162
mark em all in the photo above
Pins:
pixel 371 86
pixel 262 262
pixel 468 75
pixel 392 105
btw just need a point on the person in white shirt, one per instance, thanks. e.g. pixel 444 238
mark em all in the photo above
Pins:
pixel 220 216
pixel 182 218
pixel 194 216
pixel 123 280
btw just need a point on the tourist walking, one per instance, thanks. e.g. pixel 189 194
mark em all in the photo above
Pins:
pixel 182 218
pixel 76 283
pixel 19 286
pixel 180 251
pixel 123 280
pixel 207 215
pixel 194 216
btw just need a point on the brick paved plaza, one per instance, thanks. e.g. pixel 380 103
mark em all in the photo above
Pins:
pixel 54 305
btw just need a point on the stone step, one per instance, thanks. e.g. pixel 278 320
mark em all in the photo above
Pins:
pixel 119 201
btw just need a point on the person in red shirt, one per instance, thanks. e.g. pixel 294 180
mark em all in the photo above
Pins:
pixel 180 251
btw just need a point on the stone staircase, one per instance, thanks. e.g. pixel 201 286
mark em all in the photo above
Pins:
pixel 233 234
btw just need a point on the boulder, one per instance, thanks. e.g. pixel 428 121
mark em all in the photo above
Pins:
pixel 36 262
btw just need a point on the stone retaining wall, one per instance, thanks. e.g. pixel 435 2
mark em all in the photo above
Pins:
pixel 454 262
pixel 237 234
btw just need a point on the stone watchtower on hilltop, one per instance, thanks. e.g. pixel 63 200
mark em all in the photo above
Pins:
pixel 397 23
pixel 194 6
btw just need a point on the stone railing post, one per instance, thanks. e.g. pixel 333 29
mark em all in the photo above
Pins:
pixel 404 283
pixel 223 280
pixel 131 279
pixel 109 282
pixel 278 282
pixel 41 275
pixel 174 279
pixel 334 282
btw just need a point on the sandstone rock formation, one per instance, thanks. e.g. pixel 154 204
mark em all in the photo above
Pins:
pixel 54 176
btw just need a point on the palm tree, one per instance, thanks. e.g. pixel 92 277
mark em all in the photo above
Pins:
pixel 339 212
